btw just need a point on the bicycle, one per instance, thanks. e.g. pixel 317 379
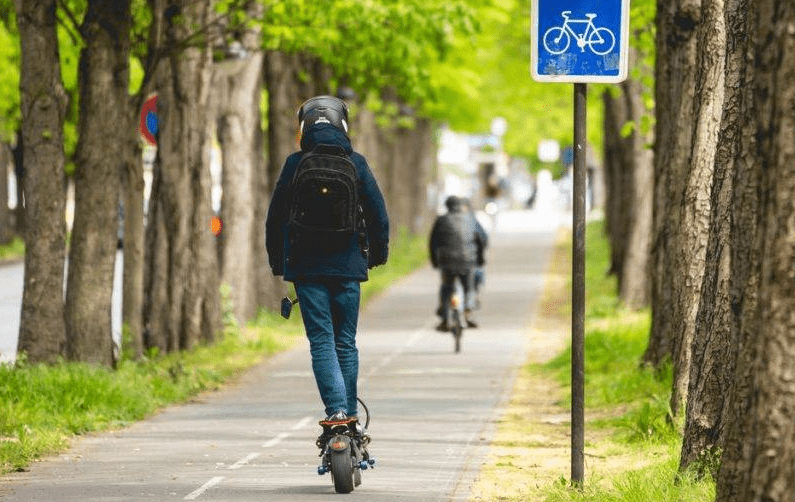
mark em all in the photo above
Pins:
pixel 455 313
pixel 558 38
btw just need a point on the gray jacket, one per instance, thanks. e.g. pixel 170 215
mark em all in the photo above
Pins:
pixel 457 242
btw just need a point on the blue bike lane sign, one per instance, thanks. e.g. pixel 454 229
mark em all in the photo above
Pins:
pixel 580 40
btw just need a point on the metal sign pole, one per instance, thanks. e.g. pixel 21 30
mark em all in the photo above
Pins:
pixel 579 41
pixel 578 289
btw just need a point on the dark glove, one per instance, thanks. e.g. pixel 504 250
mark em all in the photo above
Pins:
pixel 377 257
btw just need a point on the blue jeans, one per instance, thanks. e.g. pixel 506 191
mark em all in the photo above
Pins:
pixel 330 310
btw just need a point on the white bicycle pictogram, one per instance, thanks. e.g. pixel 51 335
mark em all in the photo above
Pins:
pixel 558 38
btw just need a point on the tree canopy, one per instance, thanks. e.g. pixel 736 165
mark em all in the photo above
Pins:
pixel 462 62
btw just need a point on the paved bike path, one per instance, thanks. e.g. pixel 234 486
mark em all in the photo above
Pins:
pixel 433 411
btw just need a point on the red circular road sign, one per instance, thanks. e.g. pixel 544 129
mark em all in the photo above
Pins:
pixel 148 125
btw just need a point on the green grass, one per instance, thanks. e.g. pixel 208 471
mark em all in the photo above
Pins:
pixel 12 250
pixel 42 407
pixel 630 401
pixel 659 482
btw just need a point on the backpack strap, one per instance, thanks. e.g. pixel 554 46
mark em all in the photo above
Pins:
pixel 328 149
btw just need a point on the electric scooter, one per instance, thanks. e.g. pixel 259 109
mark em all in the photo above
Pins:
pixel 342 444
pixel 343 451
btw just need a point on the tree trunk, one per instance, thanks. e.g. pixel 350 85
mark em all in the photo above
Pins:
pixel 630 182
pixel 239 134
pixel 399 143
pixel 759 458
pixel 104 80
pixel 734 473
pixel 691 239
pixel 132 178
pixel 634 288
pixel 675 87
pixel 424 162
pixel 715 344
pixel 182 217
pixel 42 331
pixel 135 336
pixel 615 151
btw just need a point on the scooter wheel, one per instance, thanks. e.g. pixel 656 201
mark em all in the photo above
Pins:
pixel 342 470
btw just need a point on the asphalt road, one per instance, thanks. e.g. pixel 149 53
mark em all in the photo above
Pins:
pixel 433 411
pixel 11 277
pixel 11 286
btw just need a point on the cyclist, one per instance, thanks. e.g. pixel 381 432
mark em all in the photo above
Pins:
pixel 457 245
pixel 327 282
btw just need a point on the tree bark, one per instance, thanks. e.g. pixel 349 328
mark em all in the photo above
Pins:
pixel 715 345
pixel 691 239
pixel 182 216
pixel 677 24
pixel 759 459
pixel 629 176
pixel 734 473
pixel 423 165
pixel 132 183
pixel 42 331
pixel 135 276
pixel 240 137
pixel 634 289
pixel 103 80
pixel 615 151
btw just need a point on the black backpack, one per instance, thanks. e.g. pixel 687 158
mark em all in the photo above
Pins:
pixel 325 212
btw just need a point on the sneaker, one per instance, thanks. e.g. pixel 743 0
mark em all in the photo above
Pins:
pixel 443 326
pixel 337 417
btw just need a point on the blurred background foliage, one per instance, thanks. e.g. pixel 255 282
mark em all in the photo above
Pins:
pixel 461 62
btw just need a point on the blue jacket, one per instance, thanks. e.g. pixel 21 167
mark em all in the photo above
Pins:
pixel 351 263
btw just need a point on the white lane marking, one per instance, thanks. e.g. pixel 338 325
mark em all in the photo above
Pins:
pixel 395 353
pixel 302 423
pixel 274 441
pixel 203 488
pixel 284 435
pixel 240 463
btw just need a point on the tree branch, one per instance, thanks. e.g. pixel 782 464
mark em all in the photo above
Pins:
pixel 75 24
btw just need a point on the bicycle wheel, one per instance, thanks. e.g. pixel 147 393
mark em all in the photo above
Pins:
pixel 458 330
pixel 556 40
pixel 342 470
pixel 601 41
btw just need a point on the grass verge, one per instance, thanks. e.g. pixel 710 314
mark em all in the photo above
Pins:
pixel 631 443
pixel 14 250
pixel 42 407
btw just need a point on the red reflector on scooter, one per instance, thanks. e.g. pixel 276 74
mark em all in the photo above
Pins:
pixel 338 445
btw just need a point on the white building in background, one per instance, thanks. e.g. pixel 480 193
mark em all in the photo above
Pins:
pixel 475 166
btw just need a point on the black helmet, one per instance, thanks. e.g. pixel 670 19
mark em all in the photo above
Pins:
pixel 453 203
pixel 326 109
